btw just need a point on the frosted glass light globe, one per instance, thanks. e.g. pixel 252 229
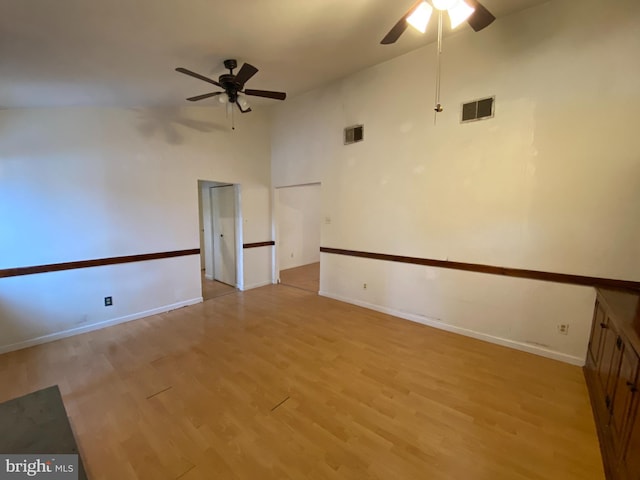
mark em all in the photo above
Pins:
pixel 419 18
pixel 459 13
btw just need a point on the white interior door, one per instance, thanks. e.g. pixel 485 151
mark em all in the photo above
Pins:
pixel 224 234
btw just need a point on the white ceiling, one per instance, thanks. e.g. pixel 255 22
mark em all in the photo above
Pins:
pixel 123 52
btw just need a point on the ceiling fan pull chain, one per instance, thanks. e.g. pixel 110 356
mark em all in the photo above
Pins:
pixel 233 117
pixel 438 107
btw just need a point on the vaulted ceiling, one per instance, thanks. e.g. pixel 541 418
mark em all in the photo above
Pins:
pixel 123 52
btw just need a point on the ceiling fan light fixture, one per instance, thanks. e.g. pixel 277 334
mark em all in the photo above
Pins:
pixel 444 4
pixel 419 18
pixel 223 99
pixel 243 102
pixel 459 12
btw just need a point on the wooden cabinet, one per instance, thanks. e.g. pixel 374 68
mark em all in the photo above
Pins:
pixel 611 371
pixel 631 456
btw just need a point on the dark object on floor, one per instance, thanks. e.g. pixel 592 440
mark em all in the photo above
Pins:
pixel 37 423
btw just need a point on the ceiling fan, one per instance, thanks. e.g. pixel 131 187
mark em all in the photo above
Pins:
pixel 418 17
pixel 459 10
pixel 233 86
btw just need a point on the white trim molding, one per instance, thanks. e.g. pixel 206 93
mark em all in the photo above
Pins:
pixel 52 337
pixel 256 285
pixel 525 347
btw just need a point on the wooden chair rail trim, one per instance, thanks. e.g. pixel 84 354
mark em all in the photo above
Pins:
pixel 259 244
pixel 99 262
pixel 597 282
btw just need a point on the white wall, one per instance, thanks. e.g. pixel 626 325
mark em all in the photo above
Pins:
pixel 551 183
pixel 87 183
pixel 298 217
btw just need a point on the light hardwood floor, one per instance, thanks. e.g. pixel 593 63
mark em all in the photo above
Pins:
pixel 306 277
pixel 194 394
pixel 213 288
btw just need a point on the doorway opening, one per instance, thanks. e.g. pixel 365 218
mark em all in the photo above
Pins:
pixel 297 224
pixel 220 238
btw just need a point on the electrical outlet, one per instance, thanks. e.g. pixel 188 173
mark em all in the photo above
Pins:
pixel 108 301
pixel 364 286
pixel 563 329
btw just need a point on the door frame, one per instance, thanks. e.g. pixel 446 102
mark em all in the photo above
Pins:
pixel 275 228
pixel 207 224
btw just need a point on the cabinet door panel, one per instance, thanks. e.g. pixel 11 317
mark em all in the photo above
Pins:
pixel 624 386
pixel 597 330
pixel 608 357
pixel 631 456
pixel 614 372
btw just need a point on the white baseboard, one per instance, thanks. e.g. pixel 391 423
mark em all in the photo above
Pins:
pixel 525 347
pixel 256 285
pixel 94 326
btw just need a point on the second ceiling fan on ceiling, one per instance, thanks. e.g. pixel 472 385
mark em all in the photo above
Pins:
pixel 459 10
pixel 418 17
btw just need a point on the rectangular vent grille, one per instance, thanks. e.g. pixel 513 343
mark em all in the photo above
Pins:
pixel 353 134
pixel 478 109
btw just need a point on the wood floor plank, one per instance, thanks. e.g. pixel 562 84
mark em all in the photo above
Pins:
pixel 306 277
pixel 197 393
pixel 213 288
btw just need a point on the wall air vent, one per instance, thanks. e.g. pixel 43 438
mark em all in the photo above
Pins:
pixel 478 110
pixel 353 134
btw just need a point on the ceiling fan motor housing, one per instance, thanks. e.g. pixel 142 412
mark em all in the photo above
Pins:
pixel 228 82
